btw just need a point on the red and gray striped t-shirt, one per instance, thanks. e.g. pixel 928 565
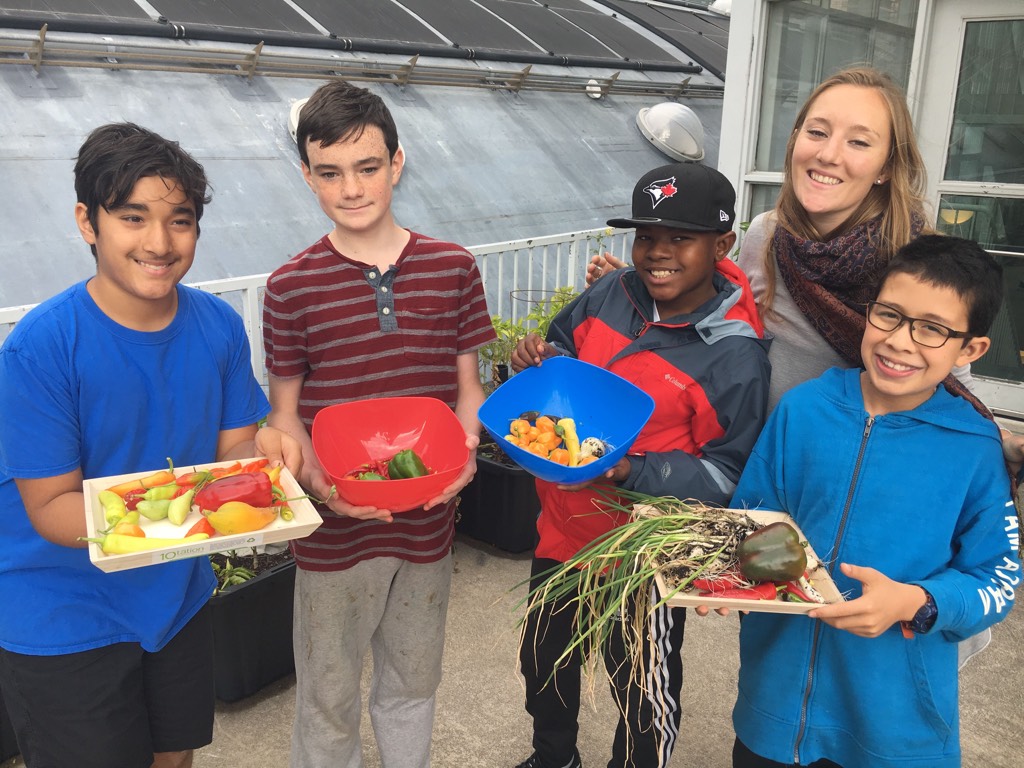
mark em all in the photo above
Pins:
pixel 354 332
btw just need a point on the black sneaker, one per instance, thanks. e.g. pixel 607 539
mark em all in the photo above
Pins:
pixel 534 761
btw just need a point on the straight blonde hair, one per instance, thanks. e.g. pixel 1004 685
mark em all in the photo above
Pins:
pixel 897 203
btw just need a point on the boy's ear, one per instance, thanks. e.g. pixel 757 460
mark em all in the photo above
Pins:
pixel 307 175
pixel 974 349
pixel 84 225
pixel 724 244
pixel 397 164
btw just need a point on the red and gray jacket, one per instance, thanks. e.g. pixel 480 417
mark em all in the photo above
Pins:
pixel 708 374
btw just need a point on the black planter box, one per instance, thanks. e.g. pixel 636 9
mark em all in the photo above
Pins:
pixel 500 507
pixel 8 745
pixel 252 633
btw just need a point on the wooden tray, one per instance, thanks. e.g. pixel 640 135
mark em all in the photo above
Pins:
pixel 306 521
pixel 819 579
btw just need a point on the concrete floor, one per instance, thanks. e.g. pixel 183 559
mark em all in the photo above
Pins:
pixel 481 722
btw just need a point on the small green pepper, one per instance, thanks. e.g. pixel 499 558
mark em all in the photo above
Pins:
pixel 406 464
pixel 180 506
pixel 773 553
pixel 161 492
pixel 370 476
pixel 154 510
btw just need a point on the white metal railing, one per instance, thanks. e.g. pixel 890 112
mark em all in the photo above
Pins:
pixel 528 266
pixel 532 264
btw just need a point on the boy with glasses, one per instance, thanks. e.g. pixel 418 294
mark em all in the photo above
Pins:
pixel 902 489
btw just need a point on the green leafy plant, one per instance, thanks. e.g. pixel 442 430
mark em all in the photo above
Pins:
pixel 228 574
pixel 236 567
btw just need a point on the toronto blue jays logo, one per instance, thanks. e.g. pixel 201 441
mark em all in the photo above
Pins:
pixel 660 190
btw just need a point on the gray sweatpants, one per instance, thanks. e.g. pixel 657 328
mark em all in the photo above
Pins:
pixel 396 608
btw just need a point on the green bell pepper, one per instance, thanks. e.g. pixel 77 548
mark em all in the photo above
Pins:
pixel 773 553
pixel 406 464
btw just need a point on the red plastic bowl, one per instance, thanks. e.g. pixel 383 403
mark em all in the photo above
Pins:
pixel 348 435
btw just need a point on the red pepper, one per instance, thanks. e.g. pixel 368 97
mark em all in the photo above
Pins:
pixel 203 526
pixel 801 591
pixel 720 583
pixel 132 498
pixel 764 591
pixel 376 467
pixel 255 466
pixel 253 488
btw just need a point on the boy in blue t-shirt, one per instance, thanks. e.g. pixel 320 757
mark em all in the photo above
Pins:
pixel 112 376
pixel 901 488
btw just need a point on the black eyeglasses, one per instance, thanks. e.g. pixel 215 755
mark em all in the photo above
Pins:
pixel 927 333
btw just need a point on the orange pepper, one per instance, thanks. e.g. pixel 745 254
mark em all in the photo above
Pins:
pixel 533 433
pixel 538 449
pixel 549 440
pixel 128 529
pixel 233 469
pixel 239 517
pixel 560 456
pixel 163 477
pixel 586 460
pixel 519 427
pixel 545 424
pixel 202 526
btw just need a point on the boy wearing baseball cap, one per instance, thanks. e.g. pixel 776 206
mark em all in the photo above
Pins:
pixel 682 325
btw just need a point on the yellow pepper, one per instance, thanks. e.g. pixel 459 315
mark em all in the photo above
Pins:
pixel 121 544
pixel 113 507
pixel 572 440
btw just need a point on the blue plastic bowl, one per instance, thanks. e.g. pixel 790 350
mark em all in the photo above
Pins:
pixel 602 404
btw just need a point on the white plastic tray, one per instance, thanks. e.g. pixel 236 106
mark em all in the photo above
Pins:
pixel 305 521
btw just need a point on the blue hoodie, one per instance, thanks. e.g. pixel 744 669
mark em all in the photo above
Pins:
pixel 921 496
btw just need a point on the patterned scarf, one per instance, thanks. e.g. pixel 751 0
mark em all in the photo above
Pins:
pixel 832 281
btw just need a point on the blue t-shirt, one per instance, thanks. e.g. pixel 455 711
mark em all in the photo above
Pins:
pixel 79 390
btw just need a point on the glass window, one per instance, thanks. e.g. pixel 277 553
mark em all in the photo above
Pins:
pixel 987 139
pixel 998 225
pixel 762 198
pixel 1005 358
pixel 808 40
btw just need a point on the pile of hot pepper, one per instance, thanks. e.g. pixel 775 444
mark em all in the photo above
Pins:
pixel 235 499
pixel 554 438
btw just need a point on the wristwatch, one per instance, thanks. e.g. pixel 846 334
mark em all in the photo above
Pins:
pixel 925 617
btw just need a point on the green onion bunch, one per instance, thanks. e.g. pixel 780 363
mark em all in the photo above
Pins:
pixel 679 540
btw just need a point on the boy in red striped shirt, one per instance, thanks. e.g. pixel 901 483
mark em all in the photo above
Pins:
pixel 370 310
